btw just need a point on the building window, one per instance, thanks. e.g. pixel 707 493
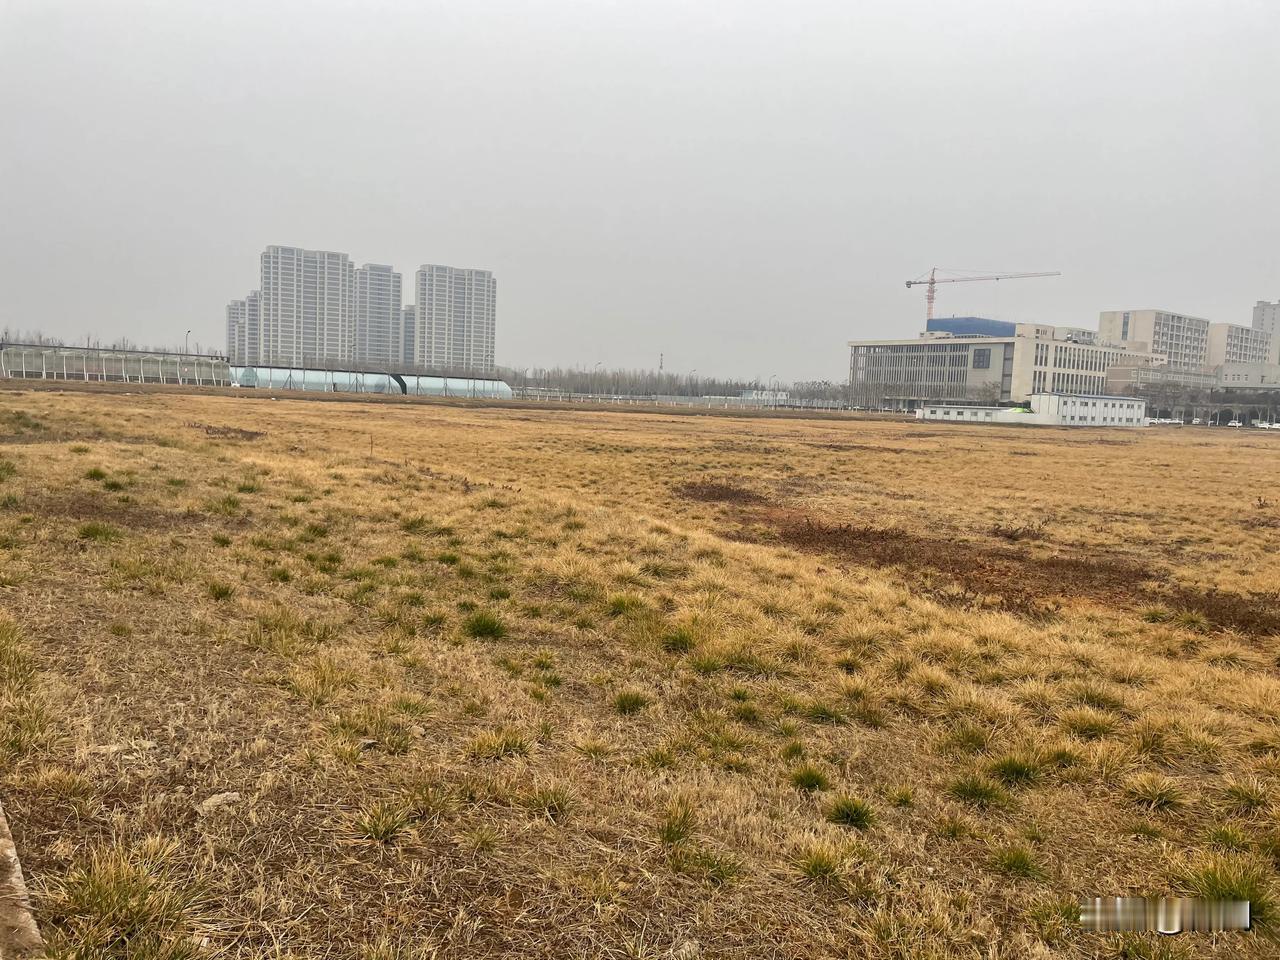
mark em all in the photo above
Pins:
pixel 982 358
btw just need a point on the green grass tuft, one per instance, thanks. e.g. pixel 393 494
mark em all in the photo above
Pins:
pixel 1233 876
pixel 850 812
pixel 1246 795
pixel 484 625
pixel 809 778
pixel 555 803
pixel 1017 861
pixel 629 702
pixel 679 640
pixel 382 821
pixel 125 903
pixel 220 591
pixel 713 869
pixel 1155 791
pixel 820 863
pixel 978 792
pixel 99 532
pixel 678 824
pixel 499 745
pixel 1015 770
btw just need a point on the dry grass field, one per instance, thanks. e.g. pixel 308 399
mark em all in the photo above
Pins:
pixel 283 678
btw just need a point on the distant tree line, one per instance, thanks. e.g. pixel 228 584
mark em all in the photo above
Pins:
pixel 39 339
pixel 636 383
pixel 1174 398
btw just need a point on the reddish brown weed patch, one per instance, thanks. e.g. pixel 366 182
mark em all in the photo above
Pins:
pixel 1017 580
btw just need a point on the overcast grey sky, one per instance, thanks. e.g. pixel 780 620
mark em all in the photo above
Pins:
pixel 742 185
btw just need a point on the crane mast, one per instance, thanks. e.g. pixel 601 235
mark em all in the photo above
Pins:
pixel 932 290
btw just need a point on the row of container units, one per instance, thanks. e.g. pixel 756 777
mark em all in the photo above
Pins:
pixel 350 381
pixel 1046 409
pixel 90 365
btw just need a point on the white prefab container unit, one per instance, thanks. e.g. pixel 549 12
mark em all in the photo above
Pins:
pixel 1088 410
pixel 1047 409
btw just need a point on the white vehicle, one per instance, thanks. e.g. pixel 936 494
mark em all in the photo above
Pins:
pixel 1152 421
pixel 1196 422
pixel 1235 423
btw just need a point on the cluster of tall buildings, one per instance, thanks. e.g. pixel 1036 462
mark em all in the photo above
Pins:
pixel 975 359
pixel 315 308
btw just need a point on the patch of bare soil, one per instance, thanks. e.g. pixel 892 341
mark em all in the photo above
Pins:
pixel 710 491
pixel 228 433
pixel 86 506
pixel 868 447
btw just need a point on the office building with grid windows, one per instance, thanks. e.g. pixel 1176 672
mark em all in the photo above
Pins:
pixel 1182 340
pixel 938 367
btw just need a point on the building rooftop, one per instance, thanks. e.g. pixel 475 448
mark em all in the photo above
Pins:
pixel 944 338
pixel 1081 396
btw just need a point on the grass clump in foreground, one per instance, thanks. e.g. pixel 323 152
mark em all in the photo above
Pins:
pixel 1155 791
pixel 629 702
pixel 427 758
pixel 484 625
pixel 555 803
pixel 499 745
pixel 1233 876
pixel 680 640
pixel 820 863
pixel 127 903
pixel 809 778
pixel 851 812
pixel 1017 861
pixel 678 824
pixel 1016 771
pixel 97 531
pixel 978 792
pixel 382 821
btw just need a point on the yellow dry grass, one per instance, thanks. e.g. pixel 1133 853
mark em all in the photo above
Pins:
pixel 409 680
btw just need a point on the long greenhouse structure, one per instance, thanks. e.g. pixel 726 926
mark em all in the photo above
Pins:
pixel 106 365
pixel 352 381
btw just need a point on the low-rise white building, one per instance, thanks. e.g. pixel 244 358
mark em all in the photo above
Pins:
pixel 1047 409
pixel 1249 376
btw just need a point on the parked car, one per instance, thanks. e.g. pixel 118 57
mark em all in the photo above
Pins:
pixel 1196 422
pixel 1235 423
